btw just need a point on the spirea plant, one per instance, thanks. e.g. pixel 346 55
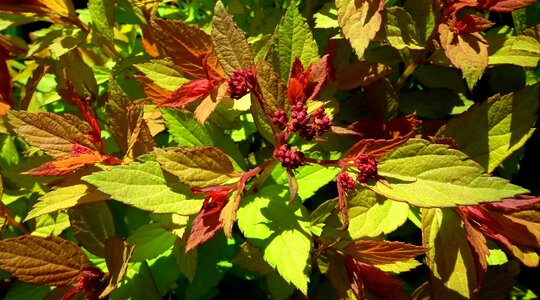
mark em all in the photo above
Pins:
pixel 257 149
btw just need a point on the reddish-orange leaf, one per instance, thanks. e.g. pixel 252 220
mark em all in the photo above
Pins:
pixel 207 223
pixel 382 252
pixel 188 46
pixel 376 281
pixel 512 205
pixel 473 23
pixel 66 165
pixel 478 244
pixel 306 85
pixel 504 6
pixel 49 260
pixel 189 92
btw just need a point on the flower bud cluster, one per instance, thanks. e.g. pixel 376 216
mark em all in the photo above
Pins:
pixel 239 83
pixel 291 158
pixel 308 126
pixel 346 181
pixel 367 167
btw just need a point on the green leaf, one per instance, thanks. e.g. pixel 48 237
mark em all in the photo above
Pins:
pixel 138 284
pixel 146 187
pixel 359 21
pixel 326 17
pixel 211 265
pixel 371 215
pixel 400 29
pixel 432 175
pixel 400 266
pixel 467 52
pixel 164 271
pixel 292 39
pixel 450 260
pixel 150 241
pixel 59 42
pixel 51 224
pixel 163 72
pixel 433 103
pixel 230 43
pixel 496 128
pixel 310 178
pixel 281 231
pixel 102 12
pixel 65 197
pixel 517 50
pixel 197 166
pixel 186 131
pixel 424 14
pixel 92 225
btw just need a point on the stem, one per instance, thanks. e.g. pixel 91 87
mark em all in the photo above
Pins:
pixel 325 162
pixel 409 70
pixel 4 212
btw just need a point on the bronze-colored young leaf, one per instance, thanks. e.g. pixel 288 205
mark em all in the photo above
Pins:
pixel 188 46
pixel 359 21
pixel 467 52
pixel 52 133
pixel 383 252
pixel 230 43
pixel 197 166
pixel 360 73
pixel 117 256
pixel 50 261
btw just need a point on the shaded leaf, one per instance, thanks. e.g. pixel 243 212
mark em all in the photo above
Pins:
pixel 102 13
pixel 400 29
pixel 496 127
pixel 359 21
pixel 272 87
pixel 360 73
pixel 50 261
pixel 146 187
pixel 517 50
pixel 92 225
pixel 450 259
pixel 117 255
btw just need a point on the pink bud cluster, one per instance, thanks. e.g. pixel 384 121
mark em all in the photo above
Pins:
pixel 240 82
pixel 290 158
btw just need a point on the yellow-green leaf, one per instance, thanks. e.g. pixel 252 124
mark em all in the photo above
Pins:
pixel 196 166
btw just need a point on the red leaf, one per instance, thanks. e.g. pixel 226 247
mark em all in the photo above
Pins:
pixel 6 94
pixel 504 6
pixel 477 243
pixel 207 223
pixel 189 92
pixel 382 252
pixel 512 205
pixel 473 23
pixel 305 85
pixel 373 279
